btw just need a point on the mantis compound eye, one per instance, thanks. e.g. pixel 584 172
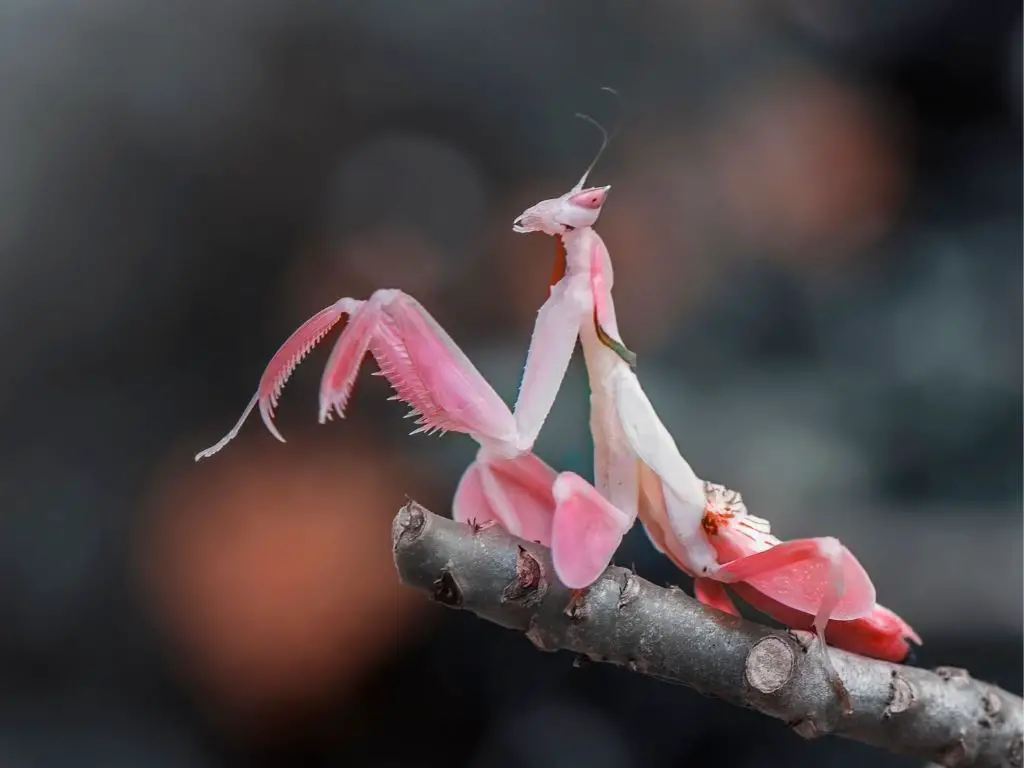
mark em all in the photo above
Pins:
pixel 591 199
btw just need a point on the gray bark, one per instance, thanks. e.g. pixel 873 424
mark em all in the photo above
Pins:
pixel 943 716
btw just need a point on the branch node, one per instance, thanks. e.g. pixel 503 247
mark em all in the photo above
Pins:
pixel 446 590
pixel 1016 753
pixel 628 591
pixel 803 638
pixel 807 729
pixel 954 675
pixel 993 708
pixel 770 664
pixel 902 696
pixel 529 587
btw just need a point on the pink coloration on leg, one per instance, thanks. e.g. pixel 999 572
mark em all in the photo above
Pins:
pixel 346 358
pixel 711 592
pixel 799 573
pixel 291 353
pixel 281 366
pixel 425 367
pixel 881 618
pixel 738 536
pixel 587 530
pixel 880 634
pixel 431 374
pixel 517 493
pixel 814 576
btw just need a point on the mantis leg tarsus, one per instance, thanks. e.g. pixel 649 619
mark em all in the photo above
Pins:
pixel 833 676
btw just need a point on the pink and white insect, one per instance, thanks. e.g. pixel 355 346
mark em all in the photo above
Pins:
pixel 639 471
pixel 704 528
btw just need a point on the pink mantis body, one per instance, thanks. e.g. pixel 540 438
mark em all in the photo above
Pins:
pixel 704 528
pixel 638 468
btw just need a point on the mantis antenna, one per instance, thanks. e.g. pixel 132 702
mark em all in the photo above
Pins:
pixel 605 139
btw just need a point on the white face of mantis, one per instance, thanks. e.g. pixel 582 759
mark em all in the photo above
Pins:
pixel 573 210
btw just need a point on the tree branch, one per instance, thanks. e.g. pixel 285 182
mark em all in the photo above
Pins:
pixel 944 716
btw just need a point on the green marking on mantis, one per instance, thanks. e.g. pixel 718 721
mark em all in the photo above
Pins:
pixel 615 346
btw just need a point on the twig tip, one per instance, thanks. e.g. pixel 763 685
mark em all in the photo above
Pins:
pixel 408 524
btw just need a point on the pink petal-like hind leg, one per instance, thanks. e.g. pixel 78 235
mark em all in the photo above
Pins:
pixel 711 592
pixel 881 634
pixel 807 574
pixel 817 576
pixel 517 493
pixel 282 364
pixel 586 532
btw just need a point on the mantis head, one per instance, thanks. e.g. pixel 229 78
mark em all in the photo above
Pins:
pixel 576 208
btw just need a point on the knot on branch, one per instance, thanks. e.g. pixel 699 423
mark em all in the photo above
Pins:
pixel 529 586
pixel 902 696
pixel 408 524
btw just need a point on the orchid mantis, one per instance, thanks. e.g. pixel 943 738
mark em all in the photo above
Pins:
pixel 639 472
pixel 702 527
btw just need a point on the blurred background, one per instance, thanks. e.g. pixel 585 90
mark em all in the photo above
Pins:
pixel 815 220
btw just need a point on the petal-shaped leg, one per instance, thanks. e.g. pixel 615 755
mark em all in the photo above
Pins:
pixel 551 347
pixel 281 366
pixel 880 615
pixel 816 576
pixel 711 592
pixel 517 493
pixel 881 634
pixel 586 532
pixel 432 375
